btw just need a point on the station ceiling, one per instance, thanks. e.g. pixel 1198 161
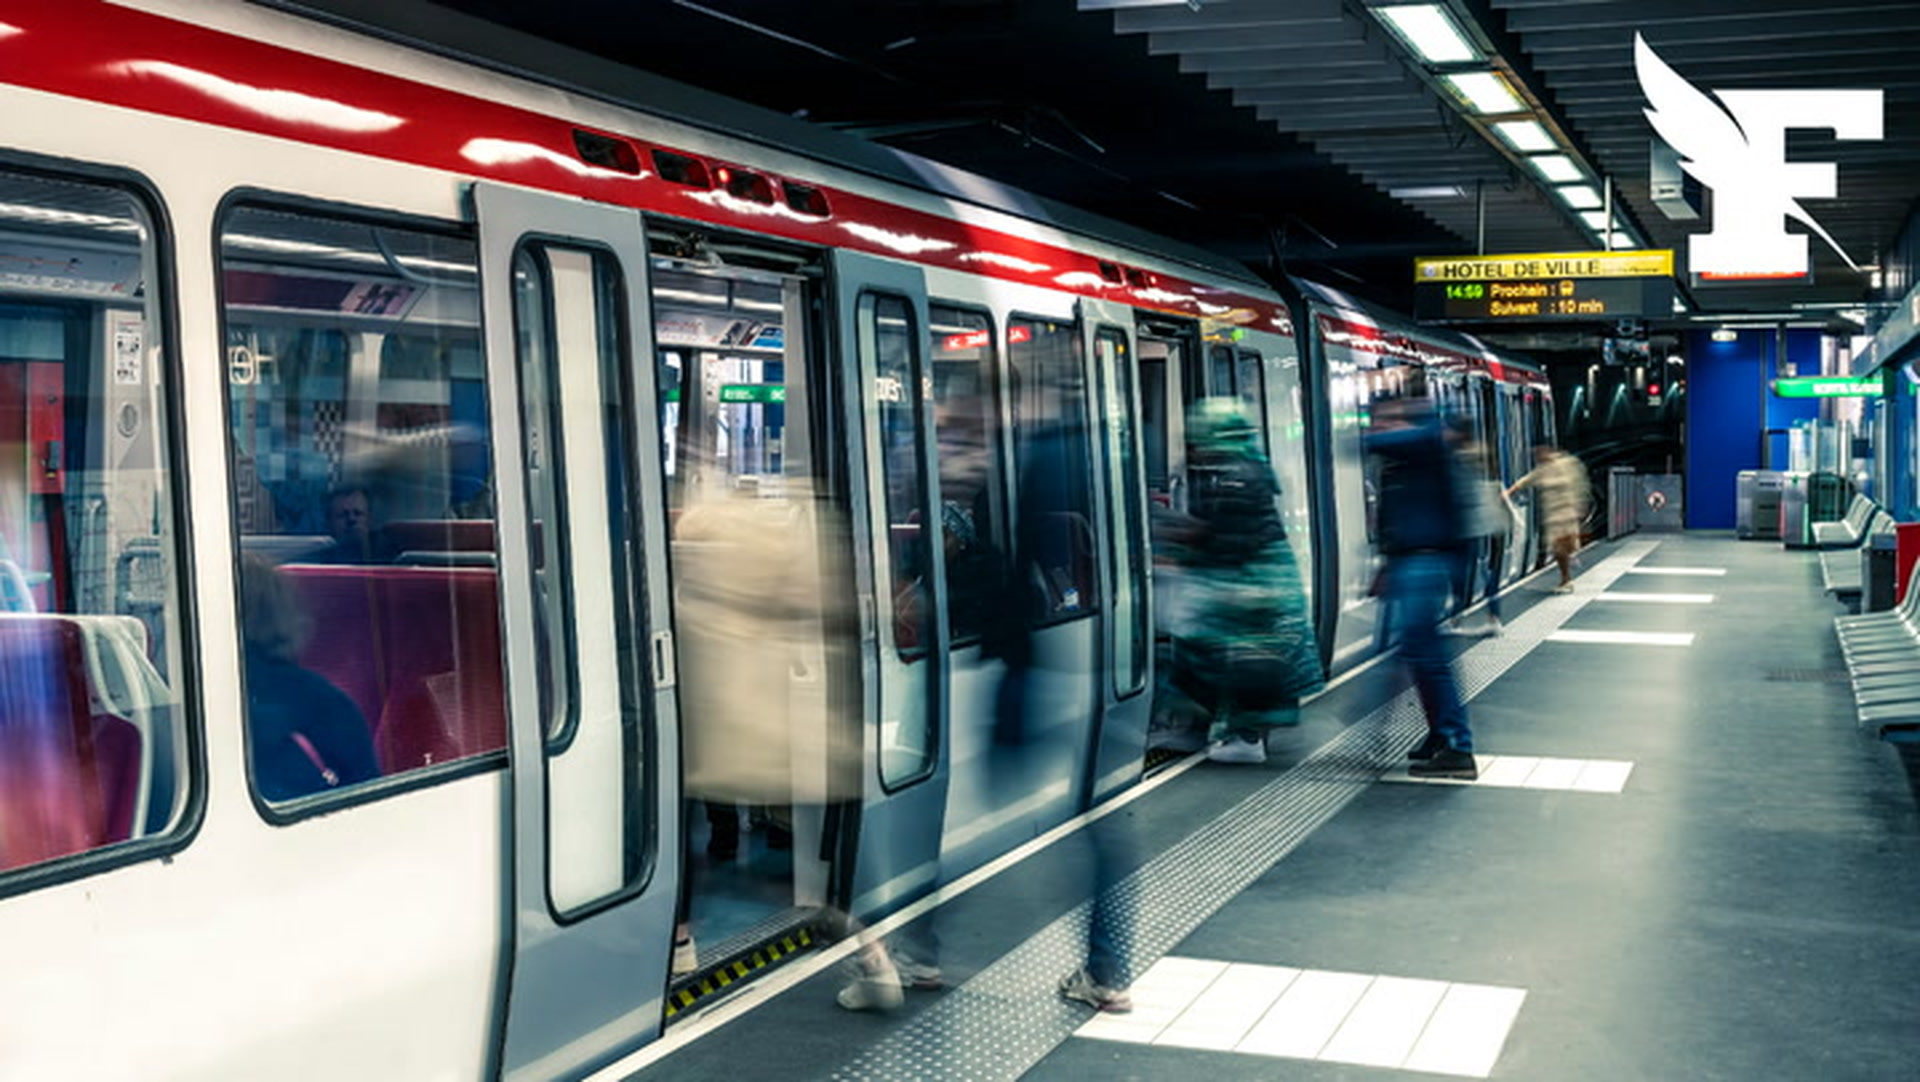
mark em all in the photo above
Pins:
pixel 1295 134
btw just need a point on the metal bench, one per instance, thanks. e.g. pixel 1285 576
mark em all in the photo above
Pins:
pixel 1843 570
pixel 1851 531
pixel 1882 653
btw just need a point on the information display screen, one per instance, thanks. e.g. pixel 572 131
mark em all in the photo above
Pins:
pixel 1566 298
pixel 1547 286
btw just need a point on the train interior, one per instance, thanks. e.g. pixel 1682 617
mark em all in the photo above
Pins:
pixel 91 741
pixel 733 372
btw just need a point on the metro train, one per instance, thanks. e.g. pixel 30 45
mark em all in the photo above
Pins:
pixel 445 352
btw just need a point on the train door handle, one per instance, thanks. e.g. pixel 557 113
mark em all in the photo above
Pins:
pixel 663 671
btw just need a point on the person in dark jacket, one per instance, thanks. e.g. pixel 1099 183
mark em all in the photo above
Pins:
pixel 1420 531
pixel 1246 652
pixel 306 735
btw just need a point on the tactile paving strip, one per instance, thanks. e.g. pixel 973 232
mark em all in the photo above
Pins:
pixel 1008 1017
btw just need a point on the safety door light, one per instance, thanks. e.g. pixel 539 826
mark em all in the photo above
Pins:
pixel 1526 136
pixel 1429 31
pixel 1557 168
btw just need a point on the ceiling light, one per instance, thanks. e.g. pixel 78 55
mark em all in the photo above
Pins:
pixel 1428 191
pixel 1429 31
pixel 1557 167
pixel 1596 219
pixel 1580 196
pixel 1486 91
pixel 1726 334
pixel 1621 239
pixel 1528 136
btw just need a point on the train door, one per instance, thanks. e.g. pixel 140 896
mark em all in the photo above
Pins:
pixel 589 660
pixel 753 514
pixel 1120 741
pixel 897 526
pixel 1163 416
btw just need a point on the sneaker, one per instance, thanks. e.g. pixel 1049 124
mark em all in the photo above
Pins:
pixel 1082 988
pixel 1563 588
pixel 877 988
pixel 686 957
pixel 1447 763
pixel 1424 750
pixel 1495 628
pixel 1238 749
pixel 918 976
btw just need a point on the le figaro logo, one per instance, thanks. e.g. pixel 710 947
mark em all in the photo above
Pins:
pixel 1738 148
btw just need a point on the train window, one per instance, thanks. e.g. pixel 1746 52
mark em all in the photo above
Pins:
pixel 889 346
pixel 1252 381
pixel 569 316
pixel 966 422
pixel 1127 540
pixel 1220 372
pixel 93 734
pixel 887 335
pixel 1051 453
pixel 362 479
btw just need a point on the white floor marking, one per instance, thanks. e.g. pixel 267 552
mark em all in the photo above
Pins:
pixel 1656 599
pixel 1379 1021
pixel 1533 772
pixel 1676 571
pixel 1624 638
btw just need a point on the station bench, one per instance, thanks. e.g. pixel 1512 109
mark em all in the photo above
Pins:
pixel 1843 551
pixel 1882 652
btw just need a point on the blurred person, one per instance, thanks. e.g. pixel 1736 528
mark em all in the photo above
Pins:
pixel 349 510
pixel 1420 536
pixel 307 736
pixel 1486 517
pixel 1562 482
pixel 754 607
pixel 1245 651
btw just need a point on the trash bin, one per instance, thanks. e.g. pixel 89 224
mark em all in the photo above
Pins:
pixel 1828 495
pixel 1879 576
pixel 1757 515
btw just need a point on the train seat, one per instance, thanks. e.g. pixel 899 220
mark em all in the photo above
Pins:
pixel 68 780
pixel 345 644
pixel 447 697
pixel 439 535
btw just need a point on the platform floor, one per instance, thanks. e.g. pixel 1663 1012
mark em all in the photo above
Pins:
pixel 1683 862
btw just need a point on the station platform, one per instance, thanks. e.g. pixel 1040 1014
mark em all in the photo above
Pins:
pixel 1682 861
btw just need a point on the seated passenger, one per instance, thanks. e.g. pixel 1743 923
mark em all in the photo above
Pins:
pixel 306 735
pixel 350 524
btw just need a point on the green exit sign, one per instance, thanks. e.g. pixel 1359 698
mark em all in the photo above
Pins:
pixel 763 393
pixel 1827 387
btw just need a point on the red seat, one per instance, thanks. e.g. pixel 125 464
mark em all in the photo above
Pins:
pixel 67 780
pixel 418 648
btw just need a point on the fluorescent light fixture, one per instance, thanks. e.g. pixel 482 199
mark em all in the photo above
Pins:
pixel 1527 136
pixel 1596 219
pixel 1486 91
pixel 1428 191
pixel 1557 168
pixel 1622 239
pixel 1580 197
pixel 1726 334
pixel 1429 31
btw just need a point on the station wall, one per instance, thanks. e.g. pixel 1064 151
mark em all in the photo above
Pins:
pixel 1731 411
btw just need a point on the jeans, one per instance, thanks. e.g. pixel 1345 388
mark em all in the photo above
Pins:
pixel 1417 586
pixel 1110 927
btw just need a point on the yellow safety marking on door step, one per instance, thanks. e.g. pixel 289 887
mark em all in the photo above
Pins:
pixel 726 974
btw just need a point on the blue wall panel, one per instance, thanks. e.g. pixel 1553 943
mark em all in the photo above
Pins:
pixel 1729 404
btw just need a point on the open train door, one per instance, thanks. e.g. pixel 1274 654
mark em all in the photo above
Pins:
pixel 1125 671
pixel 594 862
pixel 900 581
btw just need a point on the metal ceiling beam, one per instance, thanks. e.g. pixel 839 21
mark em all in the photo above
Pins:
pixel 1810 27
pixel 1631 17
pixel 1227 15
pixel 1244 80
pixel 1338 32
pixel 1762 54
pixel 1742 76
pixel 1305 61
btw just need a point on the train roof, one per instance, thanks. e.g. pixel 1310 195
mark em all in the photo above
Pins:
pixel 433 29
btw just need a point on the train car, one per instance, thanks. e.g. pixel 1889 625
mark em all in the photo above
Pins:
pixel 386 443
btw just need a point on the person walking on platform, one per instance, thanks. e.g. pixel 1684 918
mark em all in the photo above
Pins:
pixel 1562 483
pixel 1487 517
pixel 1420 536
pixel 1245 651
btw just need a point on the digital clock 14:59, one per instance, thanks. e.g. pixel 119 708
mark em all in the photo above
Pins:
pixel 1466 291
